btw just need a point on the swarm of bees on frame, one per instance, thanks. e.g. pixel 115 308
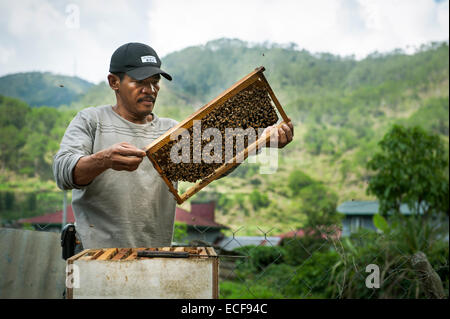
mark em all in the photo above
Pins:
pixel 251 107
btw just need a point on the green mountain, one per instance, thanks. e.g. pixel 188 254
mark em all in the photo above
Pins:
pixel 340 107
pixel 170 102
pixel 205 71
pixel 43 89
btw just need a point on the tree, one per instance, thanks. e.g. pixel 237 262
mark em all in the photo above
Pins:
pixel 319 205
pixel 411 168
pixel 298 180
pixel 180 232
pixel 259 200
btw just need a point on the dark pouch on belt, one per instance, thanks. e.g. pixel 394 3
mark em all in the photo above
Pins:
pixel 68 241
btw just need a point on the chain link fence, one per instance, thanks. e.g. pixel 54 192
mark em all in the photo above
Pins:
pixel 323 263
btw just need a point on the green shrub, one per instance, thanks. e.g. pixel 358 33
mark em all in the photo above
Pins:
pixel 259 200
pixel 180 232
pixel 391 251
pixel 298 180
pixel 247 290
pixel 312 278
pixel 224 202
pixel 319 205
pixel 259 257
pixel 264 275
pixel 297 250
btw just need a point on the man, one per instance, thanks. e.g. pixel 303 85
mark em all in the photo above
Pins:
pixel 118 198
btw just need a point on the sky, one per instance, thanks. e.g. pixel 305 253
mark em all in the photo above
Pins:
pixel 78 37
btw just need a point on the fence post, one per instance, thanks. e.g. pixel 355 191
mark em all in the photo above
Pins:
pixel 64 217
pixel 428 277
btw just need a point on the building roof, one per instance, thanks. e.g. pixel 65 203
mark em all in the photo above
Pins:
pixel 293 233
pixel 230 243
pixel 333 231
pixel 52 218
pixel 201 215
pixel 203 209
pixel 193 219
pixel 366 208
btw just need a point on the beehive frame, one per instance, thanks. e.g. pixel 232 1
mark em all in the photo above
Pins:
pixel 257 77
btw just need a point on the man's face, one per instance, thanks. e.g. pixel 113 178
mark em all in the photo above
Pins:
pixel 139 96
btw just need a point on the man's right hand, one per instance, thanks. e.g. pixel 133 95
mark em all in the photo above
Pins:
pixel 119 157
pixel 123 157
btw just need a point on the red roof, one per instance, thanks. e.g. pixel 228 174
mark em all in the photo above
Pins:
pixel 201 215
pixel 53 218
pixel 294 233
pixel 195 218
pixel 203 210
pixel 299 233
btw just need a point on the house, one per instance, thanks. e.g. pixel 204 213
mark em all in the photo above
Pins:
pixel 49 222
pixel 330 232
pixel 200 222
pixel 359 214
pixel 231 243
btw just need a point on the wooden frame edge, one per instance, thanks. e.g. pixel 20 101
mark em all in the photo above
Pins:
pixel 215 277
pixel 226 167
pixel 274 98
pixel 204 110
pixel 164 177
pixel 252 77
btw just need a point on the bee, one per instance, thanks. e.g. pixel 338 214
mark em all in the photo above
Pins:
pixel 251 107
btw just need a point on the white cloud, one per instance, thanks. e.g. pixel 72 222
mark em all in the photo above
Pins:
pixel 36 35
pixel 5 54
pixel 44 39
pixel 176 24
pixel 342 27
pixel 394 24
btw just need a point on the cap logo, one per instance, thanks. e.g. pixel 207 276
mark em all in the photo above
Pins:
pixel 148 59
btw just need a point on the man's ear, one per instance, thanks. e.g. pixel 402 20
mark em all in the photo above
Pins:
pixel 114 82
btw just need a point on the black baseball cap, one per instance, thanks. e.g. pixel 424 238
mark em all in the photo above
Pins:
pixel 138 60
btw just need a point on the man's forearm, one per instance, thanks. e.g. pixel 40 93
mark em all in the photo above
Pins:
pixel 88 168
pixel 119 157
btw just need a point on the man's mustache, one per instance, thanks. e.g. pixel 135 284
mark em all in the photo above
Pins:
pixel 147 98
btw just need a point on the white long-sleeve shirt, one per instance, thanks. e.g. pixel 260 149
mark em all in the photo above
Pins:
pixel 118 208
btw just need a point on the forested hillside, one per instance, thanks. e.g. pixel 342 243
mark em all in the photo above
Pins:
pixel 43 89
pixel 340 107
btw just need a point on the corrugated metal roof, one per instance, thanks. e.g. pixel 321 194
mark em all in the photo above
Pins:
pixel 230 243
pixel 31 265
pixel 366 208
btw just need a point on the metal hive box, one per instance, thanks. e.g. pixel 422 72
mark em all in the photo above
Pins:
pixel 121 273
